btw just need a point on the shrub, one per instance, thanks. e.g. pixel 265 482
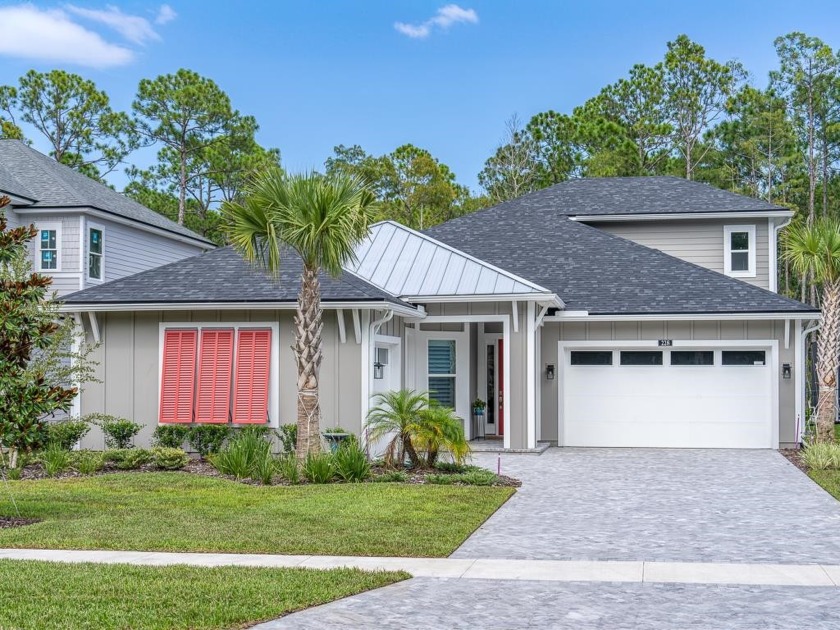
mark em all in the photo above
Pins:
pixel 287 467
pixel 351 463
pixel 242 455
pixel 207 439
pixel 265 468
pixel 450 467
pixel 170 435
pixel 478 477
pixel 319 467
pixel 14 474
pixel 287 434
pixel 115 455
pixel 66 433
pixel 88 462
pixel 822 456
pixel 134 458
pixel 396 476
pixel 119 432
pixel 55 460
pixel 169 458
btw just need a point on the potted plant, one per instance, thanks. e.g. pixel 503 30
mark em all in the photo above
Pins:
pixel 478 407
pixel 335 436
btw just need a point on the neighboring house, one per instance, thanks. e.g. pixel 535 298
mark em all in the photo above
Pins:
pixel 87 233
pixel 555 308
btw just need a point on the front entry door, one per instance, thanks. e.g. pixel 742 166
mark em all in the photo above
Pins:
pixel 495 417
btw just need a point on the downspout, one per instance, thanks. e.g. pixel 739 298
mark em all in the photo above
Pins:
pixel 366 386
pixel 815 326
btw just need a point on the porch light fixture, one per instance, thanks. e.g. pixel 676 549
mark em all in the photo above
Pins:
pixel 378 371
pixel 549 371
pixel 786 372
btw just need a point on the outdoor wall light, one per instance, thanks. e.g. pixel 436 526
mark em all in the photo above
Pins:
pixel 786 371
pixel 378 371
pixel 549 371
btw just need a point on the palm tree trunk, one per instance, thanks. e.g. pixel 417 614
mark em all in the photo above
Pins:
pixel 308 348
pixel 828 346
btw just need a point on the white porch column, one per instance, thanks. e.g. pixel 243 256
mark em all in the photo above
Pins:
pixel 530 378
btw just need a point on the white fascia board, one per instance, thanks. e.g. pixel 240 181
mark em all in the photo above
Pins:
pixel 397 309
pixel 676 216
pixel 455 250
pixel 574 316
pixel 116 218
pixel 540 298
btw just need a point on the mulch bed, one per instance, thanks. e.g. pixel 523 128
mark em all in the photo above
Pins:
pixel 794 456
pixel 15 521
pixel 205 469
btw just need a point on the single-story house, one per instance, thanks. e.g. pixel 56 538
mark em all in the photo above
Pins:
pixel 625 312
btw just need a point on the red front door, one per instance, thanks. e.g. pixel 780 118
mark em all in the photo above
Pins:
pixel 500 387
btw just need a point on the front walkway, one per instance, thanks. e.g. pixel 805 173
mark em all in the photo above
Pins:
pixel 659 505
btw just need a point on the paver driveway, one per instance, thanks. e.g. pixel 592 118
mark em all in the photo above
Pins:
pixel 606 504
pixel 655 504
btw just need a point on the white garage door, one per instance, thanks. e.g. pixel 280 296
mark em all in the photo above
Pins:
pixel 682 397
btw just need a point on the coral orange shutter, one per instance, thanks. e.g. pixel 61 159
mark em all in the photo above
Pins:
pixel 177 383
pixel 215 368
pixel 251 378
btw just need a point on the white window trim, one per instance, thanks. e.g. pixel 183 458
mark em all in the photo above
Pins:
pixel 274 373
pixel 52 225
pixel 728 230
pixel 87 253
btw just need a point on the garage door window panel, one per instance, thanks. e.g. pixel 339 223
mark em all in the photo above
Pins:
pixel 591 357
pixel 744 357
pixel 641 357
pixel 692 357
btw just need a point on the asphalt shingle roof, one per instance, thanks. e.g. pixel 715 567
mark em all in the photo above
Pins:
pixel 27 173
pixel 223 276
pixel 636 195
pixel 598 272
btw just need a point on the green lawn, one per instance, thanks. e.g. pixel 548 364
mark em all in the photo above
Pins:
pixel 59 596
pixel 828 479
pixel 182 512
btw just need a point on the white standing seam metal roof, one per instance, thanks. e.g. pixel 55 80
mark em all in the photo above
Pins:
pixel 406 263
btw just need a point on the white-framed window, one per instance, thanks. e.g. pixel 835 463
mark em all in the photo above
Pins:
pixel 95 253
pixel 442 371
pixel 49 247
pixel 739 251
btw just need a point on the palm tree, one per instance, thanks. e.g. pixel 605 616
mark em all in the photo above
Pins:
pixel 323 219
pixel 440 430
pixel 397 414
pixel 815 250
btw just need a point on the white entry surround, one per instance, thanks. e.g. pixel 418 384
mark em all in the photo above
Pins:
pixel 679 406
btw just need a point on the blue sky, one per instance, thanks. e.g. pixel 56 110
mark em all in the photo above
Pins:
pixel 317 74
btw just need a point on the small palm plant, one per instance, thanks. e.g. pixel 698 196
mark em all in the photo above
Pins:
pixel 815 250
pixel 396 414
pixel 440 430
pixel 322 218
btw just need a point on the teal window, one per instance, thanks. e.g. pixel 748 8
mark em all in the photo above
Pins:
pixel 95 254
pixel 49 250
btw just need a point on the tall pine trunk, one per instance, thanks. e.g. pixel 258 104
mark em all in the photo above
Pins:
pixel 308 351
pixel 828 346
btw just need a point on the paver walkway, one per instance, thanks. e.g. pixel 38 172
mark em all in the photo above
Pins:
pixel 662 505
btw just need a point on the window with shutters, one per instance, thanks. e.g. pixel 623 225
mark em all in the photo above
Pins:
pixel 215 374
pixel 441 368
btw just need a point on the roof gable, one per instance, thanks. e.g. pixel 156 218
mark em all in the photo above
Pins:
pixel 24 172
pixel 410 264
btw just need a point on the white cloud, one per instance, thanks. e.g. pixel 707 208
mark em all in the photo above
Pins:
pixel 50 35
pixel 165 15
pixel 445 17
pixel 134 28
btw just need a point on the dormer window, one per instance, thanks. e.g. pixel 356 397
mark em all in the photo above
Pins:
pixel 739 251
pixel 49 246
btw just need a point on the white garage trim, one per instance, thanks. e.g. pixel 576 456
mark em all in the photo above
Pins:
pixel 771 345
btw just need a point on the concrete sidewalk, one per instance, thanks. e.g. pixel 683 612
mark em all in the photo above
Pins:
pixel 479 569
